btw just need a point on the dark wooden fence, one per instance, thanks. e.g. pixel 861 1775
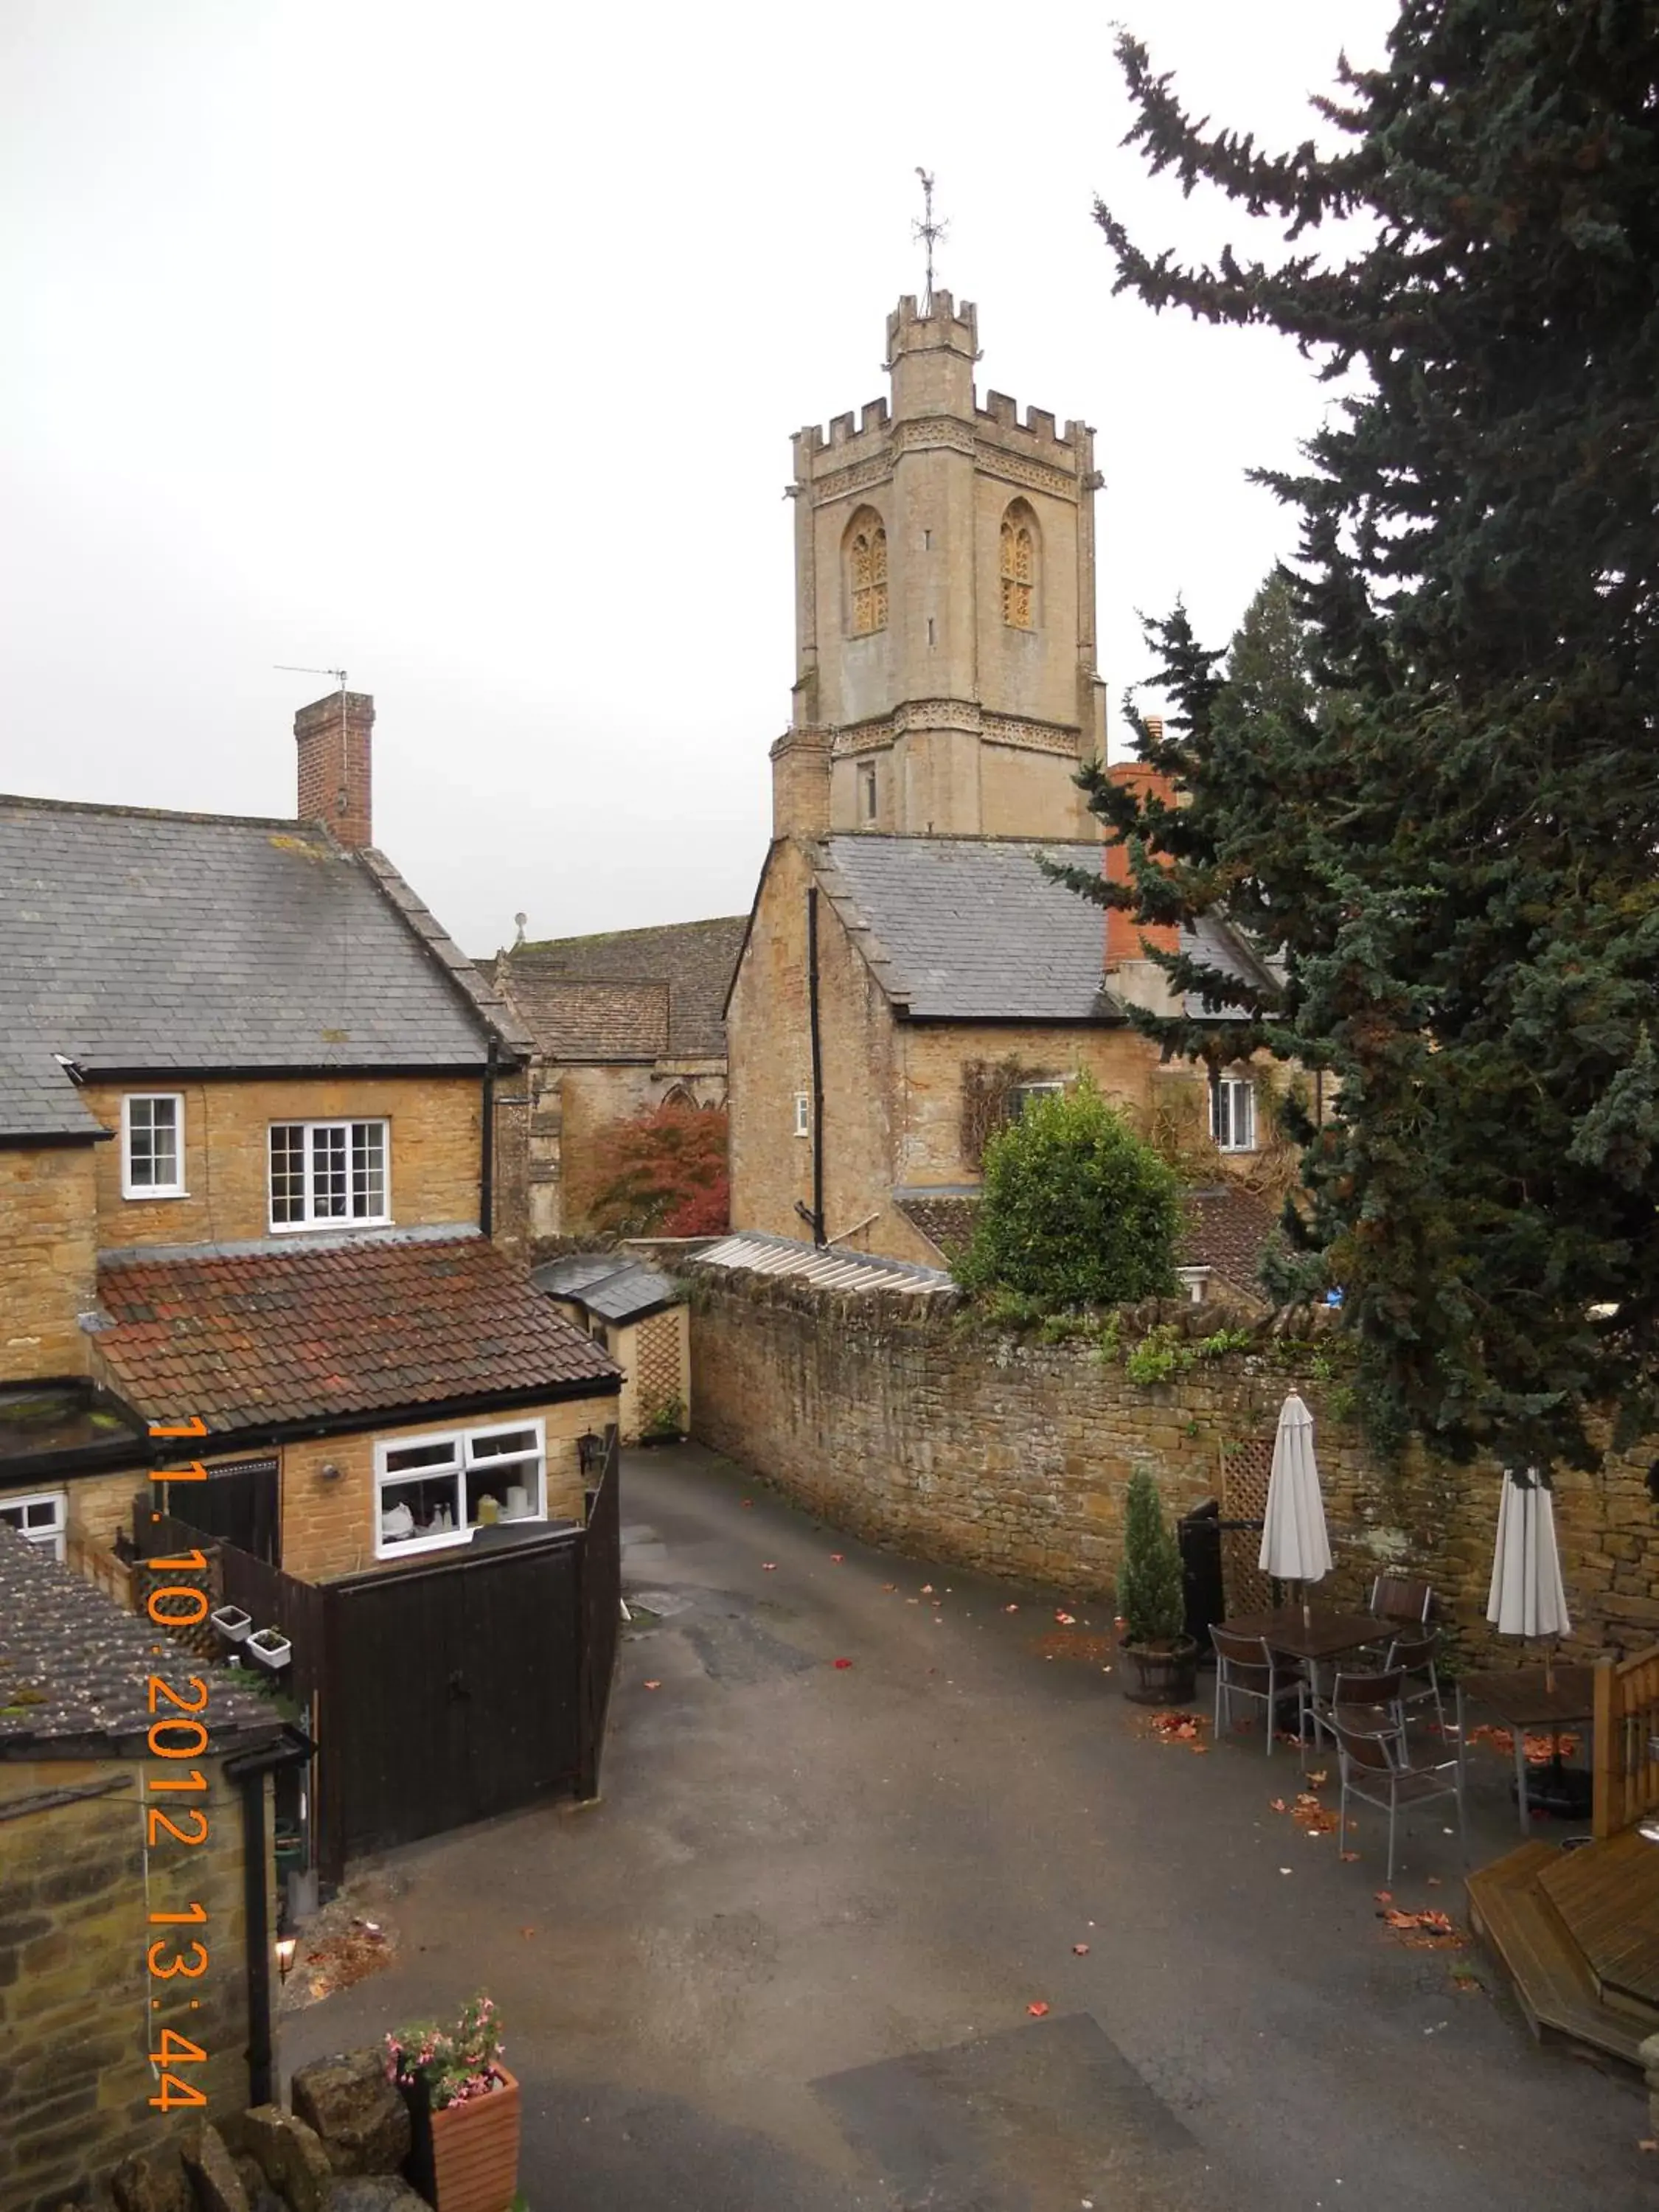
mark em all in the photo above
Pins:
pixel 444 1691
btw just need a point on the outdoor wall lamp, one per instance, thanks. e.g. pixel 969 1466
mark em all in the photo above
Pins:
pixel 329 1472
pixel 285 1954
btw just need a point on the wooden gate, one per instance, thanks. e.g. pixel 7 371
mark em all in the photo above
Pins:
pixel 1624 1742
pixel 239 1503
pixel 451 1692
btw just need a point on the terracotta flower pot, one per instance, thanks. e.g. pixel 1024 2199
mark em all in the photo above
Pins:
pixel 1157 1677
pixel 475 2150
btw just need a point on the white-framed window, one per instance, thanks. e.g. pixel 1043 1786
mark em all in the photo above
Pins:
pixel 433 1491
pixel 42 1518
pixel 1025 1094
pixel 152 1145
pixel 328 1171
pixel 1232 1114
pixel 803 1113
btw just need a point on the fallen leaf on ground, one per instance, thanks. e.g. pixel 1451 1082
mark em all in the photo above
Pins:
pixel 769 1566
pixel 1467 1982
pixel 653 1686
pixel 927 1589
pixel 1066 1619
pixel 834 1558
pixel 526 1931
pixel 748 1501
pixel 1081 1949
pixel 1284 1869
pixel 1038 2009
pixel 890 1586
pixel 843 1663
pixel 1350 1858
pixel 1385 1897
pixel 1277 1805
pixel 1648 2143
pixel 1434 1882
pixel 1011 1609
pixel 1316 1780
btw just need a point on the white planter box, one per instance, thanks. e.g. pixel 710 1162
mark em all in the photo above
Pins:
pixel 232 1623
pixel 269 1649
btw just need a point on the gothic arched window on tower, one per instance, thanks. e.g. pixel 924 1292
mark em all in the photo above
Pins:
pixel 1019 566
pixel 866 573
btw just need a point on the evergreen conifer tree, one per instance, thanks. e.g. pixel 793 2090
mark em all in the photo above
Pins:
pixel 1448 849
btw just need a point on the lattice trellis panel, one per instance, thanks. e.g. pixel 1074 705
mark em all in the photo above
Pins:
pixel 1244 1474
pixel 658 1375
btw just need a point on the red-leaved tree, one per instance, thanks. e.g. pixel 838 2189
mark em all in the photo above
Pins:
pixel 664 1174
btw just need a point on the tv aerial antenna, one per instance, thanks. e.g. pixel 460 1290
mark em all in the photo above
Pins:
pixel 928 232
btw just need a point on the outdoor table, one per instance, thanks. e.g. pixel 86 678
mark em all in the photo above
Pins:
pixel 1321 1635
pixel 1522 1699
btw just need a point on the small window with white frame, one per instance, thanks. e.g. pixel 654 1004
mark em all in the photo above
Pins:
pixel 436 1491
pixel 41 1520
pixel 803 1114
pixel 328 1172
pixel 1024 1095
pixel 1232 1114
pixel 152 1145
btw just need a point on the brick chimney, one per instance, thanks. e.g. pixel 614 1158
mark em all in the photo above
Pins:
pixel 1131 975
pixel 335 736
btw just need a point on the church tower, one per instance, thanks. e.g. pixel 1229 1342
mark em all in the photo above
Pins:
pixel 945 607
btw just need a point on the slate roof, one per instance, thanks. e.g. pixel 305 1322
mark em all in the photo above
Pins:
pixel 971 929
pixel 692 962
pixel 38 1099
pixel 267 1337
pixel 132 940
pixel 75 1666
pixel 615 1288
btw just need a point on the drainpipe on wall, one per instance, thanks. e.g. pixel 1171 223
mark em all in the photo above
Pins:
pixel 817 1063
pixel 487 1159
pixel 249 1770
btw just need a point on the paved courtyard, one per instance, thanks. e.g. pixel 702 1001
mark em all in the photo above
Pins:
pixel 787 1960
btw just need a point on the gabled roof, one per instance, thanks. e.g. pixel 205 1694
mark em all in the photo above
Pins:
pixel 74 1667
pixel 135 940
pixel 971 929
pixel 630 994
pixel 273 1336
pixel 38 1099
pixel 613 1286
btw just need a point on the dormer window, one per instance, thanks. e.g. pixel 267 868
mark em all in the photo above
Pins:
pixel 152 1145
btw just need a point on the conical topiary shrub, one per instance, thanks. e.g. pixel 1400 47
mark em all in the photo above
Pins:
pixel 1151 1597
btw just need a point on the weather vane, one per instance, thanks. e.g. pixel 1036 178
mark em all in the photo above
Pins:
pixel 928 231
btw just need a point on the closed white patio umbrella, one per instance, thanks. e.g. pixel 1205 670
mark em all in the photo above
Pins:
pixel 1294 1545
pixel 1527 1597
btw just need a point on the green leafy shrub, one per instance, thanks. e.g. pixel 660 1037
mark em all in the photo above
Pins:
pixel 666 1421
pixel 1150 1595
pixel 1078 1209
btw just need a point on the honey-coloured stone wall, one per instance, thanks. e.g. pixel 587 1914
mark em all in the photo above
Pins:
pixel 1012 1456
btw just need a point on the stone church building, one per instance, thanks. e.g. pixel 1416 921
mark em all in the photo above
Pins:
pixel 908 975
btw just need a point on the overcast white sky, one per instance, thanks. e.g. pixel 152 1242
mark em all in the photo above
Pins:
pixel 462 347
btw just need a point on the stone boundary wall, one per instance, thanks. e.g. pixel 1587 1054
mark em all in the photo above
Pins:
pixel 1011 1455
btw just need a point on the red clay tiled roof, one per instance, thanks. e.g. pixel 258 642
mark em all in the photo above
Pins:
pixel 1228 1231
pixel 254 1340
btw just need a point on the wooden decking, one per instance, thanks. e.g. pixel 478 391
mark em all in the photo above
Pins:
pixel 1577 1934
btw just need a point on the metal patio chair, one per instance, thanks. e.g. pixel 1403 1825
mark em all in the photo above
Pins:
pixel 1248 1667
pixel 1401 1598
pixel 1414 1655
pixel 1370 1700
pixel 1376 1769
